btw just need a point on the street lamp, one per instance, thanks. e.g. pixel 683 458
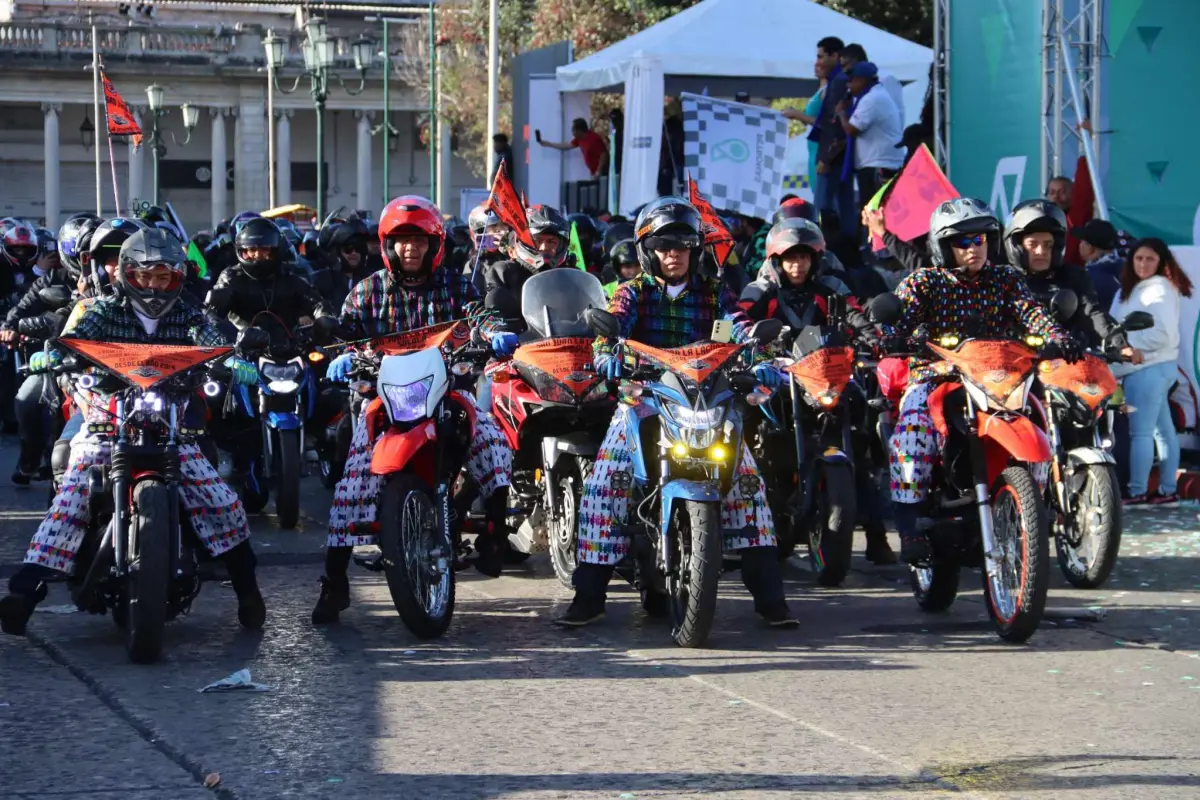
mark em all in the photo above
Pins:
pixel 87 132
pixel 190 114
pixel 319 52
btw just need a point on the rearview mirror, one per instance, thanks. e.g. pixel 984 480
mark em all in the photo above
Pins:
pixel 252 339
pixel 767 330
pixel 1138 321
pixel 1064 304
pixel 886 309
pixel 602 323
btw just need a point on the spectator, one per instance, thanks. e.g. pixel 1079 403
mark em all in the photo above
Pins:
pixel 591 145
pixel 872 124
pixel 834 196
pixel 1098 248
pixel 1075 198
pixel 501 151
pixel 856 53
pixel 809 117
pixel 1151 281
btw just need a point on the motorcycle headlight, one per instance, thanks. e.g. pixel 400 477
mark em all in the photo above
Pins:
pixel 274 371
pixel 406 403
pixel 696 419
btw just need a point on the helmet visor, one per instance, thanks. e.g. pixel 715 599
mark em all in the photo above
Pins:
pixel 670 240
pixel 23 252
pixel 157 277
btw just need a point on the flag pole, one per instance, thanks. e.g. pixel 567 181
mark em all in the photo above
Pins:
pixel 112 161
pixel 96 102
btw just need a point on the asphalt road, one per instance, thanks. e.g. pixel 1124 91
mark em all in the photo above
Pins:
pixel 868 698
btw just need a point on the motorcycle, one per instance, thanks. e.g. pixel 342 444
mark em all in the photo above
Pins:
pixel 554 410
pixel 696 393
pixel 1084 494
pixel 139 558
pixel 422 429
pixel 988 447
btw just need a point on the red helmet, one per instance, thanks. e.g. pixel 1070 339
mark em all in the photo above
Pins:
pixel 409 215
pixel 19 246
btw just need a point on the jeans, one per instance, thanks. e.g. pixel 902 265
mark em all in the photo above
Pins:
pixel 1148 391
pixel 31 419
pixel 837 197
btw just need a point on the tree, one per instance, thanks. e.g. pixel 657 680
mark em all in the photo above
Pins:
pixel 911 19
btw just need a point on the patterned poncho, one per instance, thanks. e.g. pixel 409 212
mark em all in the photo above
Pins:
pixel 651 316
pixel 111 319
pixel 378 305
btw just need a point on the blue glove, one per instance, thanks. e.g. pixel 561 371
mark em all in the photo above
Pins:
pixel 339 368
pixel 504 344
pixel 244 373
pixel 42 361
pixel 768 375
pixel 609 367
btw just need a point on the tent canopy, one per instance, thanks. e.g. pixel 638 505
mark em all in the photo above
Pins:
pixel 756 44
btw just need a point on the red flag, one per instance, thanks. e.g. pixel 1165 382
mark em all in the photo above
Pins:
pixel 715 232
pixel 919 189
pixel 508 207
pixel 120 118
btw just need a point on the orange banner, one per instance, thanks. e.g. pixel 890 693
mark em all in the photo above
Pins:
pixel 998 366
pixel 715 232
pixel 143 365
pixel 825 371
pixel 566 360
pixel 118 116
pixel 1090 379
pixel 694 362
pixel 448 337
pixel 508 207
pixel 919 189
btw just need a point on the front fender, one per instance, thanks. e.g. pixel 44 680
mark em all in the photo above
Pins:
pixel 396 448
pixel 1090 455
pixel 1016 435
pixel 680 489
pixel 283 421
pixel 834 455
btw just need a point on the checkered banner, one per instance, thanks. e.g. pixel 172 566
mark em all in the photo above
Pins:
pixel 736 153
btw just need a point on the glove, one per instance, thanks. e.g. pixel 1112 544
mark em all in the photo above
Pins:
pixel 43 362
pixel 609 367
pixel 504 344
pixel 768 375
pixel 244 373
pixel 1066 348
pixel 339 368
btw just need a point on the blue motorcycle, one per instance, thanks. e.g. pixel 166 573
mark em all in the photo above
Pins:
pixel 686 453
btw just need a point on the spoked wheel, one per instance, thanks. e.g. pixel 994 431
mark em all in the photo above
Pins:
pixel 564 525
pixel 935 586
pixel 148 582
pixel 1016 594
pixel 418 556
pixel 1088 541
pixel 692 584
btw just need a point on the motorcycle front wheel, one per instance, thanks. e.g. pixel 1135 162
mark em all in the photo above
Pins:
pixel 564 522
pixel 1016 595
pixel 1095 525
pixel 287 479
pixel 418 556
pixel 831 543
pixel 692 584
pixel 148 583
pixel 333 454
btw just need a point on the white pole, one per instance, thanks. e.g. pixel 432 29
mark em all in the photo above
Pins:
pixel 493 79
pixel 271 133
pixel 99 127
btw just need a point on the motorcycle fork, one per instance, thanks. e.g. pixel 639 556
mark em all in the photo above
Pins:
pixel 119 465
pixel 1059 468
pixel 664 543
pixel 983 498
pixel 442 485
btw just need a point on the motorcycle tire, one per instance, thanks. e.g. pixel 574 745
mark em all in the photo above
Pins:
pixel 564 524
pixel 413 544
pixel 1097 519
pixel 287 479
pixel 831 544
pixel 692 585
pixel 333 454
pixel 935 587
pixel 147 586
pixel 1021 525
pixel 255 500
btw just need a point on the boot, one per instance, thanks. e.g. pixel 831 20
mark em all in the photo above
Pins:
pixel 878 549
pixel 241 563
pixel 335 586
pixel 26 589
pixel 763 576
pixel 914 546
pixel 494 544
pixel 591 585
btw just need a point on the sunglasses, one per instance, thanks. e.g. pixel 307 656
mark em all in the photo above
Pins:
pixel 968 241
pixel 667 244
pixel 349 248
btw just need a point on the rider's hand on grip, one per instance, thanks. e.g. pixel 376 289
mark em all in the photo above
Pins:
pixel 244 373
pixel 768 375
pixel 43 362
pixel 1065 347
pixel 609 366
pixel 504 344
pixel 339 368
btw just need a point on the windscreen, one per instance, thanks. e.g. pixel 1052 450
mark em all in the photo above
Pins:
pixel 553 302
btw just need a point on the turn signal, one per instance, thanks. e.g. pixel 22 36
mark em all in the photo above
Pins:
pixel 316 357
pixel 827 399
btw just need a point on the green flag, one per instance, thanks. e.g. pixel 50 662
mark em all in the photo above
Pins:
pixel 577 249
pixel 877 200
pixel 196 257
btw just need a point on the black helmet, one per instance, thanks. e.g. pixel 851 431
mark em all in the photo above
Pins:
pixel 589 233
pixel 796 208
pixel 349 235
pixel 151 272
pixel 624 252
pixel 47 243
pixel 259 233
pixel 1035 216
pixel 619 229
pixel 70 241
pixel 672 219
pixel 789 234
pixel 106 240
pixel 953 219
pixel 544 219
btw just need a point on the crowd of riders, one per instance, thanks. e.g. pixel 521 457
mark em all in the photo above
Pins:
pixel 357 279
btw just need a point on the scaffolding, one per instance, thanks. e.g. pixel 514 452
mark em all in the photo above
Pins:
pixel 940 85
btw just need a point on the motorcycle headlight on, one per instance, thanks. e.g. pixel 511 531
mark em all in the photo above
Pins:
pixel 697 427
pixel 282 378
pixel 406 403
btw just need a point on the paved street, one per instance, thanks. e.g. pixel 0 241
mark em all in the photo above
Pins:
pixel 869 698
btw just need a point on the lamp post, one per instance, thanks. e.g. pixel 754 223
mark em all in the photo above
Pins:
pixel 319 52
pixel 191 115
pixel 87 132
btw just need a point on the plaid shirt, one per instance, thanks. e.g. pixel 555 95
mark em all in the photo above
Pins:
pixel 651 316
pixel 377 305
pixel 113 320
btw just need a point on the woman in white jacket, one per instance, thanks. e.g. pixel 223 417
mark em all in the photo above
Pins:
pixel 1151 281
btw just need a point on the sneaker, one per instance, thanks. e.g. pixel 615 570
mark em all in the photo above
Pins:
pixel 21 478
pixel 490 561
pixel 1160 500
pixel 582 611
pixel 778 616
pixel 335 598
pixel 16 609
pixel 1136 501
pixel 252 611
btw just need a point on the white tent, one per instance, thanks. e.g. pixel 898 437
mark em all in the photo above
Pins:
pixel 749 41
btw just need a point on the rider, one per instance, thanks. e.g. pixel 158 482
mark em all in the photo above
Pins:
pixel 344 246
pixel 413 291
pixel 551 248
pixel 484 222
pixel 624 261
pixel 670 305
pixel 143 308
pixel 965 293
pixel 589 242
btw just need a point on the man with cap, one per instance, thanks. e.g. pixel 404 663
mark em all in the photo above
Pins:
pixel 1099 245
pixel 873 126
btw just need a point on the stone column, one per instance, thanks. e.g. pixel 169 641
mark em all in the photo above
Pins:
pixel 364 159
pixel 220 194
pixel 283 157
pixel 250 158
pixel 135 189
pixel 53 164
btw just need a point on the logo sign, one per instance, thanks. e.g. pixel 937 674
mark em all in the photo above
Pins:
pixel 1002 202
pixel 734 150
